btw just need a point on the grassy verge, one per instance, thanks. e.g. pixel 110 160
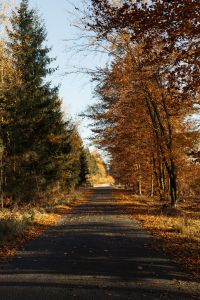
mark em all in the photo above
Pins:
pixel 20 224
pixel 178 230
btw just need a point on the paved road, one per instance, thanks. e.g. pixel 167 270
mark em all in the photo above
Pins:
pixel 97 253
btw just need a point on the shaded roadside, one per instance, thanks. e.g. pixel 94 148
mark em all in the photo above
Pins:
pixel 177 231
pixel 20 225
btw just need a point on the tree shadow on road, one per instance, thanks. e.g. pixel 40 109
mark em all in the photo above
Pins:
pixel 96 254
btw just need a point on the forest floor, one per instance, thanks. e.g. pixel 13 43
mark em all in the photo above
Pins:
pixel 20 224
pixel 177 230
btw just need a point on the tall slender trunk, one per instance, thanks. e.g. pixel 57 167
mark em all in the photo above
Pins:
pixel 156 175
pixel 162 181
pixel 139 180
pixel 173 184
pixel 1 182
pixel 152 184
pixel 164 141
pixel 162 178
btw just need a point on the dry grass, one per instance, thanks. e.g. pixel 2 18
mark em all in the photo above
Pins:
pixel 18 226
pixel 177 229
pixel 21 224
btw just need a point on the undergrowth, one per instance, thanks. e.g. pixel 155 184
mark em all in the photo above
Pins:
pixel 19 222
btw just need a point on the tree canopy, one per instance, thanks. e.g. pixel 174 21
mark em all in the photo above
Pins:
pixel 148 90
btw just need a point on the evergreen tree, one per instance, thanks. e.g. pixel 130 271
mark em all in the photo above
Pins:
pixel 91 163
pixel 76 170
pixel 7 76
pixel 37 139
pixel 84 167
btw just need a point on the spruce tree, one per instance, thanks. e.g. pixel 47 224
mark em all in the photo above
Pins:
pixel 37 138
pixel 7 77
pixel 84 169
pixel 75 160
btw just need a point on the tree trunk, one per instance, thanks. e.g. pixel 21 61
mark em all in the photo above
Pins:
pixel 1 182
pixel 173 185
pixel 139 180
pixel 162 182
pixel 164 140
pixel 152 184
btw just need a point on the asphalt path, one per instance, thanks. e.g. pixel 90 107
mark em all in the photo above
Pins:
pixel 98 252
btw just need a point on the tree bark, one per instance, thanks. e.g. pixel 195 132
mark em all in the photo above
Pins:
pixel 1 182
pixel 152 184
pixel 139 180
pixel 165 145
